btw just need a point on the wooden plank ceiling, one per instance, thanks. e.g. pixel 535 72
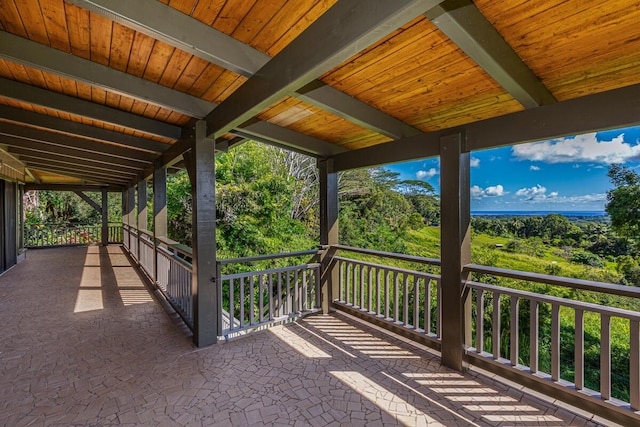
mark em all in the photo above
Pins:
pixel 455 62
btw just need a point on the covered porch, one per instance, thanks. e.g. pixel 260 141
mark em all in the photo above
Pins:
pixel 85 340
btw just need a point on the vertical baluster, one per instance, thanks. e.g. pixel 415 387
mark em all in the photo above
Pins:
pixel 270 295
pixel 370 289
pixel 386 294
pixel 513 337
pixel 479 321
pixel 495 334
pixel 232 311
pixel 279 294
pixel 533 336
pixel 396 297
pixel 605 356
pixel 296 292
pixel 341 268
pixel 634 365
pixel 362 274
pixel 378 311
pixel 305 289
pixel 405 301
pixel 439 308
pixel 354 285
pixel 252 289
pixel 316 275
pixel 241 300
pixel 289 308
pixel 579 349
pixel 261 298
pixel 416 302
pixel 427 306
pixel 555 342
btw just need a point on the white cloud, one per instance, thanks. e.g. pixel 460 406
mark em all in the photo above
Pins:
pixel 426 175
pixel 492 191
pixel 475 162
pixel 534 168
pixel 582 148
pixel 537 193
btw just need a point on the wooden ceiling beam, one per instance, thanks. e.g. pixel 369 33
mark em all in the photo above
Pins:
pixel 27 155
pixel 183 32
pixel 78 174
pixel 75 167
pixel 466 26
pixel 34 134
pixel 44 121
pixel 47 148
pixel 344 30
pixel 71 187
pixel 35 55
pixel 617 108
pixel 56 101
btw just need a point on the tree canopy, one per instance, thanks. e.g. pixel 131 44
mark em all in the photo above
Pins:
pixel 623 201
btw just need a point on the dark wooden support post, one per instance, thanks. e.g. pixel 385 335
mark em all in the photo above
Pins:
pixel 207 316
pixel 455 246
pixel 159 209
pixel 328 231
pixel 104 231
pixel 142 212
pixel 131 211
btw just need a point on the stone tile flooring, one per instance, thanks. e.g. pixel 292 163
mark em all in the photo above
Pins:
pixel 83 343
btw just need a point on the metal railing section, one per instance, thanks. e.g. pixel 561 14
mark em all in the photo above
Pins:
pixel 492 336
pixel 404 297
pixel 256 299
pixel 173 278
pixel 62 235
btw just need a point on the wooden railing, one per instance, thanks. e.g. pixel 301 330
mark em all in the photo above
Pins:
pixel 403 298
pixel 255 299
pixel 489 351
pixel 406 300
pixel 41 236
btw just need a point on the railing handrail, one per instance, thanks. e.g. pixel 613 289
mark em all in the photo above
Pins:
pixel 268 257
pixel 410 258
pixel 169 254
pixel 387 267
pixel 176 246
pixel 565 302
pixel 587 285
pixel 270 271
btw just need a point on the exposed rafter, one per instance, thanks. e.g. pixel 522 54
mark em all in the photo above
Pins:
pixel 613 109
pixel 163 22
pixel 44 148
pixel 344 30
pixel 79 175
pixel 71 187
pixel 79 107
pixel 287 138
pixel 28 155
pixel 467 27
pixel 19 115
pixel 33 134
pixel 32 54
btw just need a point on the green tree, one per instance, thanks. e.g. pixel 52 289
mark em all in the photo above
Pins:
pixel 623 201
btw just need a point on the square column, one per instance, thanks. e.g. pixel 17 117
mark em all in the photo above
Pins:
pixel 142 205
pixel 328 231
pixel 207 313
pixel 104 231
pixel 455 243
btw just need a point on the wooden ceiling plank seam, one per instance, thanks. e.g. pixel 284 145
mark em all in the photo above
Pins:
pixel 255 20
pixel 10 16
pixel 56 24
pixel 465 25
pixel 33 21
pixel 184 6
pixel 100 32
pixel 121 46
pixel 325 44
pixel 231 15
pixel 73 153
pixel 229 52
pixel 207 11
pixel 158 61
pixel 140 52
pixel 281 22
pixel 60 63
pixel 73 128
pixel 174 71
pixel 193 72
pixel 78 28
pixel 33 95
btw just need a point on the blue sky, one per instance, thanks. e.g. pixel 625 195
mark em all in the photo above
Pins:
pixel 565 174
